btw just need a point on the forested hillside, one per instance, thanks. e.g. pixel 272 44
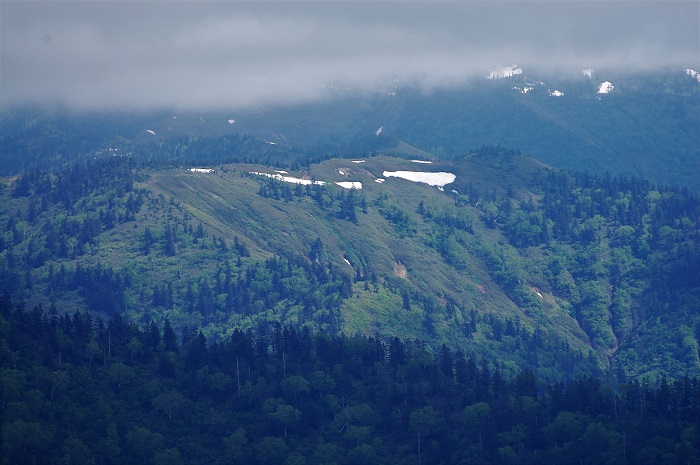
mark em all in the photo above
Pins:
pixel 78 389
pixel 348 233
pixel 566 274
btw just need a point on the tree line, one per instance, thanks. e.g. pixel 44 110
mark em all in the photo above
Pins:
pixel 77 389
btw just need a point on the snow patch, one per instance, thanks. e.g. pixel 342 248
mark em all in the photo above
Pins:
pixel 523 90
pixel 605 87
pixel 281 171
pixel 271 143
pixel 422 161
pixel 150 131
pixel 378 131
pixel 348 262
pixel 341 172
pixel 350 184
pixel 692 73
pixel 537 291
pixel 201 170
pixel 588 72
pixel 432 179
pixel 231 121
pixel 289 179
pixel 556 93
pixel 504 72
pixel 379 180
pixel 358 161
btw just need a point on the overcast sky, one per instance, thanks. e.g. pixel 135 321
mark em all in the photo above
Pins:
pixel 232 54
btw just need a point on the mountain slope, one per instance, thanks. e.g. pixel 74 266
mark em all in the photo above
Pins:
pixel 567 274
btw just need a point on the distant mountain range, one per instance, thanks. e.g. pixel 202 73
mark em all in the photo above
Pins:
pixel 644 125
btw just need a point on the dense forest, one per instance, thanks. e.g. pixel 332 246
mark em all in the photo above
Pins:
pixel 141 325
pixel 624 253
pixel 77 389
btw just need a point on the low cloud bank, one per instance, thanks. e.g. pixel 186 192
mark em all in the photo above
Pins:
pixel 216 55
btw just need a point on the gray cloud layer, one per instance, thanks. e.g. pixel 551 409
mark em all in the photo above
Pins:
pixel 206 55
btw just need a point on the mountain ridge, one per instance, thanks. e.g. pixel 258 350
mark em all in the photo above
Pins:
pixel 646 126
pixel 495 251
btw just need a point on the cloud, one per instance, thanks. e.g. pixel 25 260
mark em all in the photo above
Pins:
pixel 215 55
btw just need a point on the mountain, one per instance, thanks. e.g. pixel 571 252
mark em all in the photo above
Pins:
pixel 493 253
pixel 643 125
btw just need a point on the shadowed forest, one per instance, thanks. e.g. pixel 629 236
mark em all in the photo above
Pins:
pixel 81 390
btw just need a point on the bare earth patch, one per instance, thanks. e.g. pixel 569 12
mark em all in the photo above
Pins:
pixel 400 270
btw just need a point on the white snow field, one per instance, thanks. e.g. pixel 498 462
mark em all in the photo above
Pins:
pixel 290 179
pixel 439 179
pixel 605 87
pixel 350 184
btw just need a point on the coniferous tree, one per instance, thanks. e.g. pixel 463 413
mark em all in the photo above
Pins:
pixel 169 337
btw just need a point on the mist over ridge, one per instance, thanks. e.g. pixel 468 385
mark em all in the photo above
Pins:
pixel 207 56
